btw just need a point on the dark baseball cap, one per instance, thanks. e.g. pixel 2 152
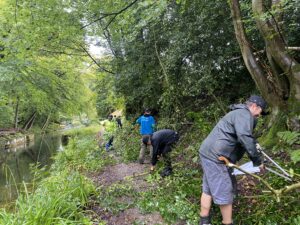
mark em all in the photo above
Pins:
pixel 260 102
pixel 147 110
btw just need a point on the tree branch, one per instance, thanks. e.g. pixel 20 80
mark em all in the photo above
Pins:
pixel 262 51
pixel 94 60
pixel 61 52
pixel 254 68
pixel 115 14
pixel 275 21
pixel 277 49
pixel 277 192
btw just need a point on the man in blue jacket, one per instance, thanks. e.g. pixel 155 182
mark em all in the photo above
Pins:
pixel 147 125
pixel 231 138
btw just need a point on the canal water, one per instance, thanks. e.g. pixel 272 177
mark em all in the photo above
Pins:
pixel 15 163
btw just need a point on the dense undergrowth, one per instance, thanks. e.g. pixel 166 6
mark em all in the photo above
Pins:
pixel 61 197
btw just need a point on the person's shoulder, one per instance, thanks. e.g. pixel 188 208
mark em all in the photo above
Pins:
pixel 242 113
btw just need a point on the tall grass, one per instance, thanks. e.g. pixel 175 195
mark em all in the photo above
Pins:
pixel 83 131
pixel 57 200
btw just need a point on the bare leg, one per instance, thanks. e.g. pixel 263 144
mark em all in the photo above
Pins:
pixel 151 151
pixel 205 204
pixel 226 211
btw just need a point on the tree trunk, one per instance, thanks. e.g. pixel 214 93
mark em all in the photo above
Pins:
pixel 29 122
pixel 279 80
pixel 269 90
pixel 270 31
pixel 46 122
pixel 16 120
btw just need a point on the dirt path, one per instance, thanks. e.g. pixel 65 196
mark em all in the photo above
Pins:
pixel 133 176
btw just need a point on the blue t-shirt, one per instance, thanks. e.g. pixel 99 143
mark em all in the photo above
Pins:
pixel 147 123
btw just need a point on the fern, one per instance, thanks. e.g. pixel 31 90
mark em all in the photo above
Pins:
pixel 289 137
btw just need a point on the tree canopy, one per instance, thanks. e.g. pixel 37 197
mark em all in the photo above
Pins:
pixel 172 56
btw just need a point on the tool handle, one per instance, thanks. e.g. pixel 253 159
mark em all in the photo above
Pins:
pixel 224 159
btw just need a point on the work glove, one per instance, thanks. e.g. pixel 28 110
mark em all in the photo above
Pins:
pixel 258 147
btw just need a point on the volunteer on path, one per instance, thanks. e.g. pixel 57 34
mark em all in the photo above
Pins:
pixel 231 138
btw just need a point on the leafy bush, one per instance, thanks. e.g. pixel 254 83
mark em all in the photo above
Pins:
pixel 6 115
pixel 289 140
pixel 82 154
pixel 127 143
pixel 295 156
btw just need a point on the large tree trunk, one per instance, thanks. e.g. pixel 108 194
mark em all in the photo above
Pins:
pixel 279 79
pixel 271 91
pixel 270 31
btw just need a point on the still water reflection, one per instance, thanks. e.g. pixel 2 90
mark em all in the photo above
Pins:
pixel 15 163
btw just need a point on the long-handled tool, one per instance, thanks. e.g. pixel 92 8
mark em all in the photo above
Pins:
pixel 251 169
pixel 285 174
pixel 277 192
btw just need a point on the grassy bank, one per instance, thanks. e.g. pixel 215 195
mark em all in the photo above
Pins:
pixel 60 197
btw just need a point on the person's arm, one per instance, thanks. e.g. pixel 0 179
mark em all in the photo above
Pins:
pixel 154 154
pixel 244 128
pixel 138 121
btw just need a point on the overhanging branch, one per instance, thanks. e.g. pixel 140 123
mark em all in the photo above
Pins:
pixel 114 14
pixel 94 60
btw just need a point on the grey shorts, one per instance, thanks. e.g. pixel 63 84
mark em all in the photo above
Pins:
pixel 217 182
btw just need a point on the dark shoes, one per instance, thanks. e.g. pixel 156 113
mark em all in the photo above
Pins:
pixel 166 172
pixel 205 220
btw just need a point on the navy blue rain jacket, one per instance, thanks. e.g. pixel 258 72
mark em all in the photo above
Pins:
pixel 232 137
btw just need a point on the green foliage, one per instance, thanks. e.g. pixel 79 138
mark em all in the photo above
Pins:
pixel 295 156
pixel 269 139
pixel 46 206
pixel 289 137
pixel 264 209
pixel 200 121
pixel 113 198
pixel 172 63
pixel 175 198
pixel 83 155
pixel 127 142
pixel 290 140
pixel 82 131
pixel 6 115
pixel 37 41
pixel 107 98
